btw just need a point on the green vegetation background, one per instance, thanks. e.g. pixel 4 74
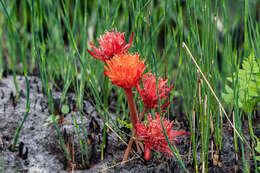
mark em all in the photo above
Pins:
pixel 49 38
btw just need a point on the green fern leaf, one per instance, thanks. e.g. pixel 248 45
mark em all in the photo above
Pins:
pixel 248 83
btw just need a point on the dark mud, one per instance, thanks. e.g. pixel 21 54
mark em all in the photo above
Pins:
pixel 39 150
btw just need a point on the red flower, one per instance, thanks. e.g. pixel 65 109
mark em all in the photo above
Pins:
pixel 153 136
pixel 149 91
pixel 125 70
pixel 111 43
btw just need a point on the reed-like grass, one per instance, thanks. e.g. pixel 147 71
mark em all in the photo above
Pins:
pixel 51 37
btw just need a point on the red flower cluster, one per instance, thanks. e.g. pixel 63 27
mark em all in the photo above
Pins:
pixel 125 70
pixel 111 43
pixel 153 136
pixel 149 91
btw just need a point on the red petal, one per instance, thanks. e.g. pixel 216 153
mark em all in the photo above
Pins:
pixel 165 105
pixel 173 134
pixel 130 42
pixel 147 151
pixel 95 49
pixel 95 56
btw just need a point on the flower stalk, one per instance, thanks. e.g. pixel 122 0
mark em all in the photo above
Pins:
pixel 131 105
pixel 142 114
pixel 134 120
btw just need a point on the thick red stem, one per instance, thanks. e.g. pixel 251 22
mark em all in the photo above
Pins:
pixel 131 105
pixel 134 120
pixel 142 114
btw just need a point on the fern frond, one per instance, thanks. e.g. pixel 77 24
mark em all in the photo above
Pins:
pixel 248 85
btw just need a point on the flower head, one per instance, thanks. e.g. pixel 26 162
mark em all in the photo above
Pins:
pixel 149 91
pixel 153 136
pixel 125 70
pixel 111 43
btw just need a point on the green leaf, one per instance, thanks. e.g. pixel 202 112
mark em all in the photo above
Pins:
pixel 49 120
pixel 124 123
pixel 65 109
pixel 257 148
pixel 248 85
pixel 257 158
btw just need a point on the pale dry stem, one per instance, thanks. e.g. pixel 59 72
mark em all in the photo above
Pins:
pixel 212 91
